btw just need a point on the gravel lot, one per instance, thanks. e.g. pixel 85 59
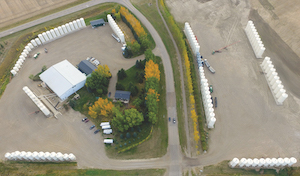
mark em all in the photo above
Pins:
pixel 24 130
pixel 249 123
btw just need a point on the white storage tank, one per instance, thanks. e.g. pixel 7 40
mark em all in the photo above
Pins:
pixel 19 62
pixel 234 162
pixel 7 156
pixel 52 156
pixel 82 22
pixel 280 162
pixel 16 68
pixel 38 41
pixel 45 36
pixel 24 54
pixel 273 162
pixel 261 162
pixel 292 161
pixel 56 32
pixel 68 27
pixel 23 155
pixel 53 33
pixel 64 27
pixel 59 156
pixel 49 35
pixel 268 162
pixel 30 45
pixel 47 156
pixel 249 162
pixel 75 24
pixel 72 157
pixel 79 23
pixel 255 162
pixel 25 51
pixel 41 37
pixel 61 31
pixel 29 156
pixel 13 72
pixel 35 156
pixel 72 26
pixel 33 42
pixel 242 162
pixel 66 157
pixel 287 161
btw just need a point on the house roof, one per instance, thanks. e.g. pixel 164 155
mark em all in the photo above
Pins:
pixel 86 67
pixel 122 95
pixel 97 22
pixel 61 77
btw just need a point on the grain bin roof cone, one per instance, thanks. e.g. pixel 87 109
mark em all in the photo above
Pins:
pixel 249 162
pixel 7 156
pixel 292 161
pixel 47 156
pixel 72 157
pixel 255 162
pixel 234 162
pixel 242 162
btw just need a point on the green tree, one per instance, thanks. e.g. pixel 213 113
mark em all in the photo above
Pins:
pixel 118 16
pixel 121 74
pixel 133 89
pixel 135 48
pixel 152 83
pixel 145 43
pixel 97 83
pixel 44 68
pixel 120 86
pixel 149 55
pixel 130 118
pixel 137 102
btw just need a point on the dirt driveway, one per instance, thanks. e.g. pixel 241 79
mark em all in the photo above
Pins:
pixel 249 123
pixel 24 130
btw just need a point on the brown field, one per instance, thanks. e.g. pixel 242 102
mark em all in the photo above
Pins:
pixel 12 11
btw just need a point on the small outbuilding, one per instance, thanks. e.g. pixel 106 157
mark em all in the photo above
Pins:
pixel 123 96
pixel 97 23
pixel 86 67
pixel 63 79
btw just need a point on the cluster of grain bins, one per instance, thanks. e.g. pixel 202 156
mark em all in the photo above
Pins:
pixel 22 59
pixel 107 130
pixel 254 39
pixel 38 103
pixel 262 162
pixel 273 80
pixel 191 38
pixel 115 28
pixel 40 156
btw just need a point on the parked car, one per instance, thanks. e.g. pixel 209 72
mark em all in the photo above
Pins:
pixel 96 131
pixel 212 100
pixel 87 120
pixel 169 119
pixel 211 89
pixel 215 102
pixel 174 121
pixel 46 51
pixel 84 119
pixel 93 126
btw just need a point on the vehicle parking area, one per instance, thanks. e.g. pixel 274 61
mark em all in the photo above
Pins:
pixel 23 130
pixel 249 123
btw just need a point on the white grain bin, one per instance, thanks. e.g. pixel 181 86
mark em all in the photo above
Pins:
pixel 211 123
pixel 255 162
pixel 47 156
pixel 38 41
pixel 249 162
pixel 41 37
pixel 68 27
pixel 60 156
pixel 28 156
pixel 13 72
pixel 7 156
pixel 23 155
pixel 107 131
pixel 65 29
pixel 108 141
pixel 71 26
pixel 280 162
pixel 106 127
pixel 19 62
pixel 287 161
pixel 17 155
pixel 278 82
pixel 35 156
pixel 280 86
pixel 72 157
pixel 242 162
pixel 49 35
pixel 82 22
pixel 234 162
pixel 18 66
pixel 31 45
pixel 22 57
pixel 280 92
pixel 292 161
pixel 53 33
pixel 261 162
pixel 79 23
pixel 273 162
pixel 33 42
pixel 12 156
pixel 25 51
pixel 75 24
pixel 265 60
pixel 15 68
pixel 282 98
pixel 52 156
pixel 56 32
pixel 45 36
pixel 104 124
pixel 66 157
pixel 61 31
pixel 42 156
pixel 24 54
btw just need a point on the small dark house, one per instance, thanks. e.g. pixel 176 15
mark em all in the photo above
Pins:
pixel 86 67
pixel 97 23
pixel 123 96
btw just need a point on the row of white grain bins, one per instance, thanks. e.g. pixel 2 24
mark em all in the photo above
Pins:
pixel 206 97
pixel 38 103
pixel 40 156
pixel 262 162
pixel 46 37
pixel 254 39
pixel 274 82
pixel 115 28
pixel 191 38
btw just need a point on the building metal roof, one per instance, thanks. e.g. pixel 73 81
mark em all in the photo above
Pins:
pixel 97 22
pixel 125 95
pixel 86 67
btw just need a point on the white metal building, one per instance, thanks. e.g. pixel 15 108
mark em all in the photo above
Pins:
pixel 63 79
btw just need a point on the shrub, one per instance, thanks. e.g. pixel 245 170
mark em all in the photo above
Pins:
pixel 125 144
pixel 120 86
pixel 134 135
pixel 121 146
pixel 121 136
pixel 128 135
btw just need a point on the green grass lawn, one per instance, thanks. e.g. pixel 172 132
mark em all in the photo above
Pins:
pixel 151 13
pixel 67 169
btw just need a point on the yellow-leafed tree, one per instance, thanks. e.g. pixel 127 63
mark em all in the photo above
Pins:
pixel 102 107
pixel 103 71
pixel 152 70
